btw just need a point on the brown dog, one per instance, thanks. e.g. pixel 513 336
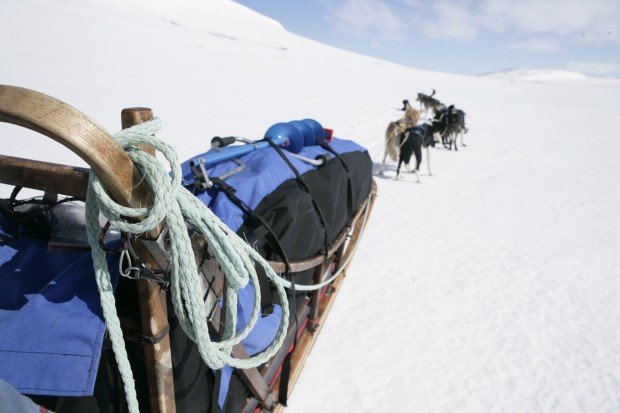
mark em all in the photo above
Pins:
pixel 394 130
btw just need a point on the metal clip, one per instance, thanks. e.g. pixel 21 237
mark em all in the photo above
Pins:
pixel 102 235
pixel 128 271
pixel 157 249
pixel 130 265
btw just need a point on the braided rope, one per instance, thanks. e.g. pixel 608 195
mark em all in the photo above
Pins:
pixel 176 206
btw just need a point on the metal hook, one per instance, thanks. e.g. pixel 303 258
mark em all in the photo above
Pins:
pixel 102 235
pixel 127 272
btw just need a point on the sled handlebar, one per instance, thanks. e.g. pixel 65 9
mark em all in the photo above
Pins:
pixel 292 136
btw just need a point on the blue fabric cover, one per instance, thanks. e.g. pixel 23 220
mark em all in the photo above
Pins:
pixel 51 326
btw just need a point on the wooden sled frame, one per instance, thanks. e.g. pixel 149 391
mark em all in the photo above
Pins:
pixel 73 129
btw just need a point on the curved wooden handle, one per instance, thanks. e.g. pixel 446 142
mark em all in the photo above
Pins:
pixel 76 131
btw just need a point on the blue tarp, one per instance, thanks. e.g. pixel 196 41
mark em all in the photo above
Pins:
pixel 51 327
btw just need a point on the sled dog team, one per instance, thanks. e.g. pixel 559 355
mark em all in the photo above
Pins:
pixel 405 137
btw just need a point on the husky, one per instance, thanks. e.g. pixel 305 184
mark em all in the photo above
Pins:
pixel 429 102
pixel 394 130
pixel 457 126
pixel 452 125
pixel 411 142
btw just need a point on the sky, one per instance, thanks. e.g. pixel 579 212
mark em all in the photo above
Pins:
pixel 466 36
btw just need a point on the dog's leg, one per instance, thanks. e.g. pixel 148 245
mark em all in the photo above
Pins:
pixel 400 162
pixel 436 137
pixel 417 150
pixel 382 168
pixel 428 160
pixel 455 138
pixel 418 157
pixel 462 137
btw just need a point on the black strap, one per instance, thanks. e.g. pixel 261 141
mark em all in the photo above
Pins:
pixel 307 189
pixel 148 340
pixel 285 371
pixel 347 171
pixel 285 375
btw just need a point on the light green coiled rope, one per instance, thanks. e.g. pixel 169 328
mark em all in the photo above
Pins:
pixel 176 205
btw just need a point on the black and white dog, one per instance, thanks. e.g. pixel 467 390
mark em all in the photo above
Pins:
pixel 456 120
pixel 429 102
pixel 412 140
pixel 451 123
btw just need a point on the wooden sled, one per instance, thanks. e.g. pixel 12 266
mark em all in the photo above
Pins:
pixel 73 129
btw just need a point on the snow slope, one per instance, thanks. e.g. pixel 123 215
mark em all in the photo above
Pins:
pixel 491 286
pixel 536 75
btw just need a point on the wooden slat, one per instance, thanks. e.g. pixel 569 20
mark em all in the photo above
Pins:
pixel 254 380
pixel 153 307
pixel 45 176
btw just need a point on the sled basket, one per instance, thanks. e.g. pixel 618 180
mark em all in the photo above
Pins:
pixel 170 375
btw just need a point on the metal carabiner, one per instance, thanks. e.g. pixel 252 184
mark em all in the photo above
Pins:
pixel 102 235
pixel 129 269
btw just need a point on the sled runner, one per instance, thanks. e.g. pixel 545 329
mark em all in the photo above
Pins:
pixel 305 217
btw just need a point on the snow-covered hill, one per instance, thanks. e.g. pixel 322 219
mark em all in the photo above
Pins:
pixel 492 286
pixel 537 75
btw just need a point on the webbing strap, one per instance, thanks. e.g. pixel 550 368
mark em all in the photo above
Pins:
pixel 307 189
pixel 285 375
pixel 347 170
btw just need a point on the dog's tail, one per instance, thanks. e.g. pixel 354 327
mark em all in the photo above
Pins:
pixel 391 141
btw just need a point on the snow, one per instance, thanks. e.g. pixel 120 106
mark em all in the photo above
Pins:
pixel 491 286
pixel 536 74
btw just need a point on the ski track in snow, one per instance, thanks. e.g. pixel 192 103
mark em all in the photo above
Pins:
pixel 491 286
